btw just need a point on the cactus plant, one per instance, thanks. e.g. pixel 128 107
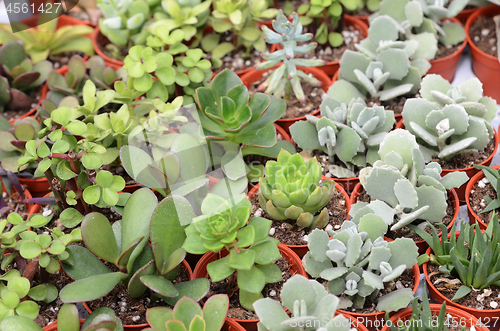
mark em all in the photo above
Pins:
pixel 357 262
pixel 450 121
pixel 291 190
pixel 309 303
pixel 402 187
pixel 286 79
pixel 350 133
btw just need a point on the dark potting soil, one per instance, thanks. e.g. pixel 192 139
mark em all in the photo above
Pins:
pixel 132 311
pixel 12 202
pixel 61 60
pixel 229 286
pixel 462 161
pixel 325 163
pixel 448 285
pixel 478 204
pixel 405 232
pixel 483 35
pixel 48 311
pixel 403 281
pixel 36 94
pixel 294 108
pixel 444 51
pixel 363 12
pixel 291 234
pixel 109 49
pixel 396 104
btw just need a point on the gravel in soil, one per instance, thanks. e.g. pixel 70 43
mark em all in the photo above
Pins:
pixel 444 51
pixel 448 285
pixel 48 311
pixel 395 104
pixel 110 50
pixel 61 60
pixel 462 161
pixel 481 189
pixel 483 35
pixel 229 286
pixel 294 108
pixel 290 233
pixel 12 202
pixel 132 311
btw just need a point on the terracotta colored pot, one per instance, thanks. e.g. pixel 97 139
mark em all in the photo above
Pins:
pixel 464 15
pixel 295 268
pixel 254 75
pixel 421 244
pixel 459 316
pixel 372 320
pixel 96 37
pixel 470 171
pixel 53 326
pixel 446 66
pixel 137 327
pixel 470 186
pixel 485 66
pixel 484 315
pixel 27 195
pixel 301 250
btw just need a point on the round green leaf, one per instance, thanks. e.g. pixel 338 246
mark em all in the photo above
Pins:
pixel 104 178
pixel 204 64
pixel 28 309
pixel 92 194
pixel 109 196
pixel 196 75
pixel 60 146
pixel 70 217
pixel 136 70
pixel 24 131
pixel 182 79
pixel 30 250
pixel 19 285
pixel 91 160
pixel 10 299
pixel 43 150
pixel 166 75
pixel 150 64
pixel 77 128
pixel 5 139
pixel 143 83
pixel 43 240
pixel 61 115
pixel 118 183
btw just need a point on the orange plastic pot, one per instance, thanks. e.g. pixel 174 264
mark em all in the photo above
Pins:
pixel 96 37
pixel 470 171
pixel 254 75
pixel 27 195
pixel 470 186
pixel 53 326
pixel 201 272
pixel 301 250
pixel 464 15
pixel 446 66
pixel 485 315
pixel 376 320
pixel 421 244
pixel 459 316
pixel 138 327
pixel 485 66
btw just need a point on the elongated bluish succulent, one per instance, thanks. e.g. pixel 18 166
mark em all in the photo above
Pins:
pixel 357 262
pixel 287 78
pixel 350 133
pixel 291 190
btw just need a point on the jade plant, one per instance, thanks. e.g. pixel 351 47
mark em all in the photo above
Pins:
pixel 240 18
pixel 384 67
pixel 47 40
pixel 450 121
pixel 103 319
pixel 292 190
pixel 402 188
pixel 187 315
pixel 357 263
pixel 350 133
pixel 19 76
pixel 492 175
pixel 423 19
pixel 309 303
pixel 251 253
pixel 472 256
pixel 286 79
pixel 323 18
pixel 125 244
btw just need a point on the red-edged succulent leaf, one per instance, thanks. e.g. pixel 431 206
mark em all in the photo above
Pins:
pixel 24 80
pixel 19 100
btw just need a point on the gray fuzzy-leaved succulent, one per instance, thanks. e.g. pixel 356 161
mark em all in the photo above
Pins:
pixel 357 262
pixel 352 133
pixel 447 120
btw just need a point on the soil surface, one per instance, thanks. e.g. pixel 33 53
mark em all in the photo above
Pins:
pixel 448 285
pixel 294 108
pixel 462 161
pixel 482 33
pixel 480 190
pixel 238 60
pixel 61 60
pixel 130 310
pixel 110 50
pixel 290 233
pixel 229 286
pixel 363 12
pixel 12 200
pixel 396 104
pixel 48 311
pixel 444 51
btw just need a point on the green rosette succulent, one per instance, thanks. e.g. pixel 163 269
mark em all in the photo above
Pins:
pixel 291 190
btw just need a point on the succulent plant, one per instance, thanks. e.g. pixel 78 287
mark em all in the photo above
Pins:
pixel 286 79
pixel 223 224
pixel 472 256
pixel 357 262
pixel 450 125
pixel 292 190
pixel 45 41
pixel 402 187
pixel 141 266
pixel 239 17
pixel 492 175
pixel 421 18
pixel 309 303
pixel 18 76
pixel 187 315
pixel 103 319
pixel 350 133
pixel 381 68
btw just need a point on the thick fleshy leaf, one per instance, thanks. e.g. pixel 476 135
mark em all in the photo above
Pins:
pixel 99 237
pixel 91 288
